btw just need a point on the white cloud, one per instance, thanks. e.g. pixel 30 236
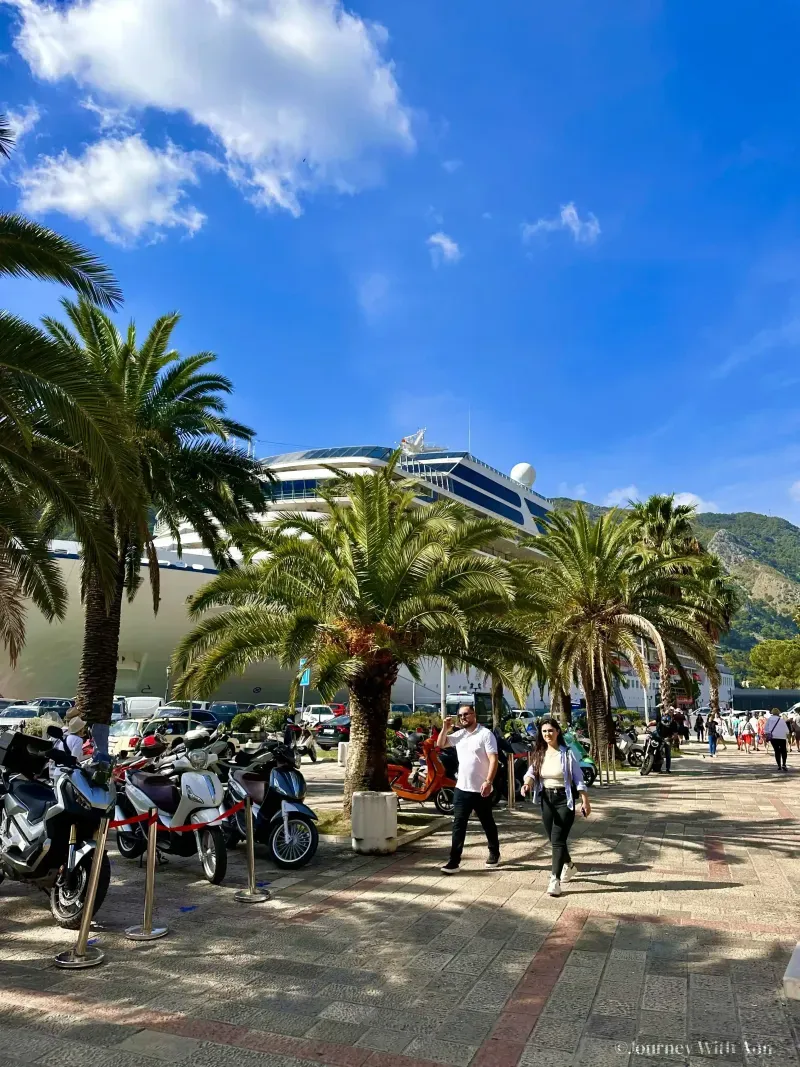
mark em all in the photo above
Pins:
pixel 121 188
pixel 696 501
pixel 373 295
pixel 296 92
pixel 451 165
pixel 23 121
pixel 583 231
pixel 110 119
pixel 443 249
pixel 574 492
pixel 794 491
pixel 621 496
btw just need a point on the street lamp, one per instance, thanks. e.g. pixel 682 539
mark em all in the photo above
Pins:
pixel 166 691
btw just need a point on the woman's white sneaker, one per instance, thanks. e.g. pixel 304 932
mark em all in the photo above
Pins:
pixel 568 872
pixel 554 889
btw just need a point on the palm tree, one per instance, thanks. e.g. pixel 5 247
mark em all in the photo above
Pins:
pixel 660 527
pixel 384 582
pixel 51 410
pixel 171 414
pixel 592 597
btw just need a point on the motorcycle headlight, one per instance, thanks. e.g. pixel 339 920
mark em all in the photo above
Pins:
pixel 198 759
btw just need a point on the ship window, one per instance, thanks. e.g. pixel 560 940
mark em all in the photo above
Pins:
pixel 491 486
pixel 466 492
pixel 536 509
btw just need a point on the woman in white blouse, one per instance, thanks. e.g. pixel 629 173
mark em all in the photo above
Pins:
pixel 556 778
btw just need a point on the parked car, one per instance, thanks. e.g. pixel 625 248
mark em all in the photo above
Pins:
pixel 8 703
pixel 59 704
pixel 17 715
pixel 199 716
pixel 184 705
pixel 124 736
pixel 401 709
pixel 141 707
pixel 330 733
pixel 119 709
pixel 314 714
pixel 173 727
pixel 339 709
pixel 245 707
pixel 225 710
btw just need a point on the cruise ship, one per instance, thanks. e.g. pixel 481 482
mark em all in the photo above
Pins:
pixel 49 663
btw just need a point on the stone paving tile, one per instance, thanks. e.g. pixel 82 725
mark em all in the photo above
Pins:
pixel 338 1032
pixel 538 1056
pixel 385 1040
pixel 425 1048
pixel 597 1052
pixel 552 1031
pixel 161 1046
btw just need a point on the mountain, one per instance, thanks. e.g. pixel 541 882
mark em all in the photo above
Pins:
pixel 762 555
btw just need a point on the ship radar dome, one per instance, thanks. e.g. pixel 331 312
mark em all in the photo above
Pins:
pixel 525 473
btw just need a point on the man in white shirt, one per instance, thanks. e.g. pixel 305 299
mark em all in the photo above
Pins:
pixel 477 765
pixel 776 730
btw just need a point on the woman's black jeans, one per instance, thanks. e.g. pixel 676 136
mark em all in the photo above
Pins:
pixel 558 818
pixel 779 748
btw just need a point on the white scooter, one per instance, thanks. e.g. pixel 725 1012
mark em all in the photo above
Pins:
pixel 187 794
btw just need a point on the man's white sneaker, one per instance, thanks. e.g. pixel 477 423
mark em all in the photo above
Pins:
pixel 568 872
pixel 554 889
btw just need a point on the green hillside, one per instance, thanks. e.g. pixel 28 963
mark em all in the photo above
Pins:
pixel 762 555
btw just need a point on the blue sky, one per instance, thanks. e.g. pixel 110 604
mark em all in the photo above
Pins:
pixel 578 221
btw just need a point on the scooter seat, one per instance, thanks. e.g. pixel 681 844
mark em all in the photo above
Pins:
pixel 35 797
pixel 254 785
pixel 164 794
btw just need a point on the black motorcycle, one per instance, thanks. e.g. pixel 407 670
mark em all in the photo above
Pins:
pixel 518 746
pixel 47 828
pixel 652 754
pixel 281 820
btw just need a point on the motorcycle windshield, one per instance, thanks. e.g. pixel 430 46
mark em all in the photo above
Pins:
pixel 288 783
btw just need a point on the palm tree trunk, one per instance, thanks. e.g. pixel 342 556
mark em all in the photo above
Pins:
pixel 560 706
pixel 497 702
pixel 370 705
pixel 665 683
pixel 713 695
pixel 598 717
pixel 98 672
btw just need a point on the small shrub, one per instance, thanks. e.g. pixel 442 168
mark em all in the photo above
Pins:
pixel 411 722
pixel 274 719
pixel 246 721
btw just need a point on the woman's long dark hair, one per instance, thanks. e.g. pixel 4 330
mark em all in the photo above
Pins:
pixel 540 745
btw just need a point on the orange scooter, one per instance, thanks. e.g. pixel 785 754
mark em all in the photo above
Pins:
pixel 439 782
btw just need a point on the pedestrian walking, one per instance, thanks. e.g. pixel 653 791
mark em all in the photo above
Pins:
pixel 776 731
pixel 753 724
pixel 761 727
pixel 699 727
pixel 477 765
pixel 556 779
pixel 712 731
pixel 747 735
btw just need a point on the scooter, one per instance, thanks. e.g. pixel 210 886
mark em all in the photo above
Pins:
pixel 587 764
pixel 187 793
pixel 628 748
pixel 439 783
pixel 47 829
pixel 281 820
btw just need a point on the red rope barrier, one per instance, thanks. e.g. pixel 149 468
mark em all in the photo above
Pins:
pixel 146 817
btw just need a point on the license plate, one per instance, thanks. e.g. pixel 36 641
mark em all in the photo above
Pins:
pixel 328 733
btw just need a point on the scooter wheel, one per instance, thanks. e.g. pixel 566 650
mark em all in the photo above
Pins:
pixel 589 775
pixel 130 846
pixel 68 898
pixel 299 848
pixel 214 854
pixel 647 765
pixel 443 801
pixel 635 759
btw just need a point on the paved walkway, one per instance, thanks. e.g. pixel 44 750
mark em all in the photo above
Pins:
pixel 669 949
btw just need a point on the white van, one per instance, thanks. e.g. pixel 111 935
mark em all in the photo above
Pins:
pixel 143 707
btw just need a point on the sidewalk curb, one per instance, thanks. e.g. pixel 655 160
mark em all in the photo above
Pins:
pixel 416 835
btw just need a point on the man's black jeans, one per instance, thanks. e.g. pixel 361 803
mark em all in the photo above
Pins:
pixel 464 804
pixel 779 748
pixel 558 818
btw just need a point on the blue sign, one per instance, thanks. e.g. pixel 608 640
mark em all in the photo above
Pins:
pixel 305 678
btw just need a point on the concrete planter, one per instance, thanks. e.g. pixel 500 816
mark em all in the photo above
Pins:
pixel 374 823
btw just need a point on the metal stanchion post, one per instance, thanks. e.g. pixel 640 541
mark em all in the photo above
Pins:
pixel 512 784
pixel 147 932
pixel 82 955
pixel 251 895
pixel 612 755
